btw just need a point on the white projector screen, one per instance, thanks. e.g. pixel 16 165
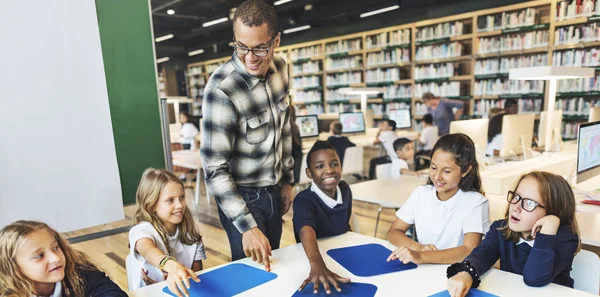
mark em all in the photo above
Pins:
pixel 57 154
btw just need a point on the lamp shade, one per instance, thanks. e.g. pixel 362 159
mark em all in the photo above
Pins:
pixel 549 72
pixel 361 91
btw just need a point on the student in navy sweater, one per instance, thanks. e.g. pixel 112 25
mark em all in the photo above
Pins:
pixel 339 142
pixel 323 210
pixel 538 238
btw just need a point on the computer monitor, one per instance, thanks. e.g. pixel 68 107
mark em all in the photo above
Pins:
pixel 353 122
pixel 476 129
pixel 556 126
pixel 308 125
pixel 402 118
pixel 517 133
pixel 594 114
pixel 588 151
pixel 325 120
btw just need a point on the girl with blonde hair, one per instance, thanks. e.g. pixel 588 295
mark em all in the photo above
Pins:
pixel 36 261
pixel 165 242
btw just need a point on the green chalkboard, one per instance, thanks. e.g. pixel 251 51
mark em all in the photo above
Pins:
pixel 126 38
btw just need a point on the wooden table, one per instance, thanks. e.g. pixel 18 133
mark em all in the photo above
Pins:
pixel 291 266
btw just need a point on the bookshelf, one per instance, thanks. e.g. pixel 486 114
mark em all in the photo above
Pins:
pixel 463 57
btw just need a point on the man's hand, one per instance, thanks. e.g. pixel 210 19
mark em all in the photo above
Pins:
pixel 286 198
pixel 257 246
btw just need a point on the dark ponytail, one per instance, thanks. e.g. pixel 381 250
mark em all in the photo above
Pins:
pixel 463 150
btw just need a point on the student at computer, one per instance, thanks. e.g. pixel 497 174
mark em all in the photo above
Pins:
pixel 494 136
pixel 427 138
pixel 538 238
pixel 338 141
pixel 386 137
pixel 511 106
pixel 322 210
pixel 405 150
pixel 450 212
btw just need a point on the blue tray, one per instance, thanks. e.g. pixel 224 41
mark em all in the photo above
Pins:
pixel 348 290
pixel 368 260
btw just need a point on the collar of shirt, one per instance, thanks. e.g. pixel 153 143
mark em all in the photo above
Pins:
pixel 337 136
pixel 57 290
pixel 529 242
pixel 326 199
pixel 450 203
pixel 250 80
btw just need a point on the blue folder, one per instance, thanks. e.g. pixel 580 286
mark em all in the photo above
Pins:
pixel 472 293
pixel 348 290
pixel 367 260
pixel 227 281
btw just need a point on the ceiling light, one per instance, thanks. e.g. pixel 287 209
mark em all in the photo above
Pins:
pixel 292 30
pixel 378 11
pixel 170 12
pixel 279 2
pixel 217 21
pixel 196 52
pixel 161 60
pixel 163 38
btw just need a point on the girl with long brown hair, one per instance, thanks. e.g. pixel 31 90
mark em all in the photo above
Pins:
pixel 538 238
pixel 36 261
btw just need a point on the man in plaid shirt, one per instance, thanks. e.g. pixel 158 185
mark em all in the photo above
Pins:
pixel 246 143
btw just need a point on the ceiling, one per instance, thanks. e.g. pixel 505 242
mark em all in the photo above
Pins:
pixel 327 18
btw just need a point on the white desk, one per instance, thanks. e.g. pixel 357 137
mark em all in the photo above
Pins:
pixel 291 266
pixel 191 159
pixel 389 193
pixel 363 139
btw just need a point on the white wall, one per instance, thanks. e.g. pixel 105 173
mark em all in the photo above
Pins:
pixel 57 153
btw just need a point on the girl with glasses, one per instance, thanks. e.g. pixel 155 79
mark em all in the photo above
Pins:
pixel 538 238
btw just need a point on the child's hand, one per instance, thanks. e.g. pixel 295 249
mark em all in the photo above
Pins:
pixel 146 278
pixel 405 255
pixel 429 247
pixel 547 225
pixel 319 274
pixel 178 278
pixel 459 284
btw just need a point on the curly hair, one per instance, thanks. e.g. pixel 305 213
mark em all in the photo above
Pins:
pixel 254 13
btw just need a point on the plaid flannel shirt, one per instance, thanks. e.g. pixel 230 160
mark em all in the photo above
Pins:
pixel 247 135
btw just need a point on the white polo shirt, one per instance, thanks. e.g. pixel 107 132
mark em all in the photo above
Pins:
pixel 444 223
pixel 387 139
pixel 326 199
pixel 397 165
pixel 495 144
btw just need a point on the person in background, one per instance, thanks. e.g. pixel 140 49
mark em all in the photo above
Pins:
pixel 323 210
pixel 511 106
pixel 296 144
pixel 495 111
pixel 386 137
pixel 36 261
pixel 339 142
pixel 427 138
pixel 246 146
pixel 188 131
pixel 494 136
pixel 538 238
pixel 442 111
pixel 405 150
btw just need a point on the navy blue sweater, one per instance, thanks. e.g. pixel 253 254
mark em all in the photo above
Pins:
pixel 340 144
pixel 310 210
pixel 549 260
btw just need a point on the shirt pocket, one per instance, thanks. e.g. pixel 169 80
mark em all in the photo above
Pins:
pixel 283 103
pixel 257 128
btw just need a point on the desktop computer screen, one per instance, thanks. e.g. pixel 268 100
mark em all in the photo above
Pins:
pixel 401 117
pixel 588 151
pixel 594 114
pixel 517 133
pixel 309 126
pixel 353 122
pixel 556 125
pixel 325 120
pixel 476 129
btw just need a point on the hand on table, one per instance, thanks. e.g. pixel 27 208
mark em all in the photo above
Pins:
pixel 256 246
pixel 320 274
pixel 459 284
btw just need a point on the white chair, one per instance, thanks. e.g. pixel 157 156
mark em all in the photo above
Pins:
pixel 303 178
pixel 129 264
pixel 383 171
pixel 586 272
pixel 353 160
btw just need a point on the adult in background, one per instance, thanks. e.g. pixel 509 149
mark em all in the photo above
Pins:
pixel 247 140
pixel 442 111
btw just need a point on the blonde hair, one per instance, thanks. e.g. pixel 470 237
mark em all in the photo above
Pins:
pixel 148 192
pixel 558 199
pixel 12 281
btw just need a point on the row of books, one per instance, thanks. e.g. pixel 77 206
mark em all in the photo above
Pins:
pixel 306 67
pixel 397 37
pixel 342 107
pixel 507 20
pixel 434 71
pixel 491 87
pixel 398 55
pixel 513 42
pixel 439 51
pixel 444 89
pixel 343 46
pixel 576 106
pixel 577 34
pixel 440 31
pixel 308 96
pixel 483 107
pixel 309 109
pixel 503 65
pixel 195 71
pixel 343 63
pixel 306 82
pixel 334 95
pixel 397 91
pixel 383 75
pixel 576 8
pixel 344 78
pixel 383 109
pixel 577 57
pixel 306 52
pixel 579 84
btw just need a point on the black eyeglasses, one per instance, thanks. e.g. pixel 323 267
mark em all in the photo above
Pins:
pixel 259 52
pixel 526 203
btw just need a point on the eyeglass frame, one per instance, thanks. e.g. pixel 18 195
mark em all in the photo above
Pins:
pixel 522 199
pixel 235 47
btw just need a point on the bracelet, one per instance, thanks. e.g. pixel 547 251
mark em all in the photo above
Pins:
pixel 164 261
pixel 466 267
pixel 159 260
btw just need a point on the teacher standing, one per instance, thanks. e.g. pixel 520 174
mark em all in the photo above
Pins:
pixel 246 143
